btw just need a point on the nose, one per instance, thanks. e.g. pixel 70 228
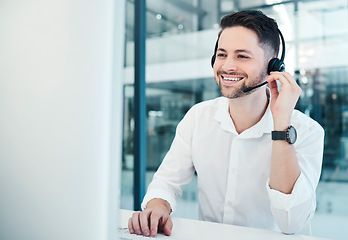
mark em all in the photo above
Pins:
pixel 229 64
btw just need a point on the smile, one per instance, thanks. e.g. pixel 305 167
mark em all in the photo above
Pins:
pixel 231 78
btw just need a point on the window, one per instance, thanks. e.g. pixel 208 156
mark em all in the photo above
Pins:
pixel 180 41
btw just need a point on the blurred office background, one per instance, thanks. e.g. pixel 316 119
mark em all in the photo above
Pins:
pixel 180 37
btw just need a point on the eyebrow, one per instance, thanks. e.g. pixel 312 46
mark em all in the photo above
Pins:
pixel 237 51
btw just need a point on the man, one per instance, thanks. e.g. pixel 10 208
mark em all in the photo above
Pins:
pixel 247 174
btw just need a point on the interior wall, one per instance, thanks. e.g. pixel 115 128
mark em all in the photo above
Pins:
pixel 56 93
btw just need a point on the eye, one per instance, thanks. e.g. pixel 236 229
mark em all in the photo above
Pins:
pixel 243 56
pixel 221 55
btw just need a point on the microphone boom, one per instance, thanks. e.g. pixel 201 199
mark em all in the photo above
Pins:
pixel 252 88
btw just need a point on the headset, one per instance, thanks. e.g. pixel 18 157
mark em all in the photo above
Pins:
pixel 274 65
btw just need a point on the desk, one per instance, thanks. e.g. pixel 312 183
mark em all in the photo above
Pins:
pixel 193 229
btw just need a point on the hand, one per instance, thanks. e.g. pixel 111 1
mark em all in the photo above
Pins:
pixel 283 102
pixel 154 217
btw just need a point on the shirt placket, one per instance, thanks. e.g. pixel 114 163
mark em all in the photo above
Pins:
pixel 231 186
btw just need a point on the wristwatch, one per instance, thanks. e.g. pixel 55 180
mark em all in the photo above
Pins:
pixel 289 135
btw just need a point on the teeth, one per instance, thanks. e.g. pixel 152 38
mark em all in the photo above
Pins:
pixel 231 79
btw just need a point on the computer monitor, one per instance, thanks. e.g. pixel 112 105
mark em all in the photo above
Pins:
pixel 60 119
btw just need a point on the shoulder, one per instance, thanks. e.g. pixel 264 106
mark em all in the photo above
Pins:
pixel 204 112
pixel 199 116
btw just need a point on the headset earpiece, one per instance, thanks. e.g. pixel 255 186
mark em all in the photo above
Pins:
pixel 212 61
pixel 275 65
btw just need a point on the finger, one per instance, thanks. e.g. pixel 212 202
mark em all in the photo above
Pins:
pixel 290 78
pixel 293 82
pixel 154 221
pixel 130 225
pixel 278 76
pixel 273 86
pixel 287 81
pixel 135 222
pixel 144 223
pixel 284 77
pixel 168 226
pixel 272 83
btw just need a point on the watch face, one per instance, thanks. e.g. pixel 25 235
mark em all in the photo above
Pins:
pixel 292 135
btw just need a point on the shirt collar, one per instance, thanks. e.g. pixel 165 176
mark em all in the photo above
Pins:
pixel 265 125
pixel 222 115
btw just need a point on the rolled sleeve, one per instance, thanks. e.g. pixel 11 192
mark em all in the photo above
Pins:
pixel 293 211
pixel 284 201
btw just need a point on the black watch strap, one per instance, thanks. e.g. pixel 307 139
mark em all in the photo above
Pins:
pixel 289 135
pixel 279 135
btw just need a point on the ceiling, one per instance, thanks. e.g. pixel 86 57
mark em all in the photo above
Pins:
pixel 180 16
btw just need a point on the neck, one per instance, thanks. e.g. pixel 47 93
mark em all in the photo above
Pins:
pixel 248 110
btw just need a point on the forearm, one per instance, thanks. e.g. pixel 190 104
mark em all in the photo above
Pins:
pixel 284 165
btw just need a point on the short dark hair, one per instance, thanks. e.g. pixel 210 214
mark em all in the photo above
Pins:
pixel 265 27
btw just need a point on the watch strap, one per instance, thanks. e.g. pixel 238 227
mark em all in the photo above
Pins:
pixel 279 135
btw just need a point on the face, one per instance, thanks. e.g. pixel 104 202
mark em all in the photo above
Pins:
pixel 240 62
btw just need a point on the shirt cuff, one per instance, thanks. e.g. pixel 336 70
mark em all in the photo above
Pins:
pixel 159 194
pixel 299 195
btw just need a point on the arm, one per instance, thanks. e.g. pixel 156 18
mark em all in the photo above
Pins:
pixel 293 212
pixel 175 171
pixel 284 165
pixel 295 169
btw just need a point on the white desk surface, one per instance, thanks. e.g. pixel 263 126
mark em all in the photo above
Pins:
pixel 193 229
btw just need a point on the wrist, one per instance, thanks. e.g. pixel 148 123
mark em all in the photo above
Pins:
pixel 280 125
pixel 289 135
pixel 159 202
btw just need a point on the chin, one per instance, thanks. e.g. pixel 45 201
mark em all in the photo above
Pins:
pixel 232 93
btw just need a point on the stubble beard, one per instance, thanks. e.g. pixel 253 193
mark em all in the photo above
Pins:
pixel 233 92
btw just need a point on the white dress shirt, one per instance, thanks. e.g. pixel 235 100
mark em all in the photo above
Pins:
pixel 233 169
